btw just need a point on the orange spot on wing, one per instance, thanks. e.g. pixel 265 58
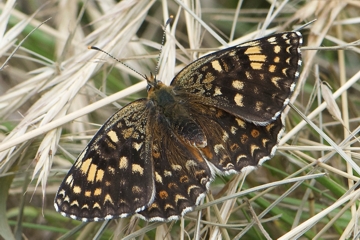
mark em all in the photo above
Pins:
pixel 163 194
pixel 207 153
pixel 195 152
pixel 255 133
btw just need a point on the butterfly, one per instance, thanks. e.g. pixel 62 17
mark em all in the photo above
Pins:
pixel 157 156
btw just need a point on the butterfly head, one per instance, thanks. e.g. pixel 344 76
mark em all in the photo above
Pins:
pixel 153 83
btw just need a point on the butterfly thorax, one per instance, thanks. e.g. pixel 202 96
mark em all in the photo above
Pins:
pixel 173 111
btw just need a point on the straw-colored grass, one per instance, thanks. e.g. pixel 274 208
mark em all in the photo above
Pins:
pixel 55 94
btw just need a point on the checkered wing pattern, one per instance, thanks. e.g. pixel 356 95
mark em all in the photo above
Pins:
pixel 114 175
pixel 253 80
pixel 156 157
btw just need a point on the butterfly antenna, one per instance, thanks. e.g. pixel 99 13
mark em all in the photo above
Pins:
pixel 162 43
pixel 100 50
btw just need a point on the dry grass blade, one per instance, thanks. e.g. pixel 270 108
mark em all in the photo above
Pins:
pixel 55 93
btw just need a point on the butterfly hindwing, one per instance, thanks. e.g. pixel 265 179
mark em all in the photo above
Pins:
pixel 232 142
pixel 182 176
pixel 253 80
pixel 113 176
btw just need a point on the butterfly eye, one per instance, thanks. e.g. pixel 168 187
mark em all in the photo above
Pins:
pixel 148 87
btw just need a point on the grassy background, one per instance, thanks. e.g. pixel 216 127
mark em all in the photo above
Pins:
pixel 53 98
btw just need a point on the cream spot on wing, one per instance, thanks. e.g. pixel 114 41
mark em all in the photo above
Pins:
pixel 248 75
pixel 257 58
pixel 92 173
pixel 256 65
pixel 217 92
pixel 158 178
pixel 111 170
pixel 108 199
pixel 270 126
pixel 265 141
pixel 136 189
pixel 232 53
pixel 152 206
pixel 61 192
pixel 84 167
pixel 136 168
pixel 271 39
pixel 137 146
pixel 167 173
pixel 225 136
pixel 239 100
pixel 176 167
pixel 191 188
pixel 238 84
pixel 123 163
pixel 240 123
pixel 190 163
pixel 253 148
pixel 253 50
pixel 275 81
pixel 238 159
pixel 77 189
pixel 97 192
pixel 85 206
pixel 69 180
pixel 272 68
pixel 113 136
pixel 233 130
pixel 167 206
pixel 225 66
pixel 277 49
pixel 258 106
pixel 216 65
pixel 97 205
pixel 179 197
pixel 217 148
pixel 66 199
pixel 99 175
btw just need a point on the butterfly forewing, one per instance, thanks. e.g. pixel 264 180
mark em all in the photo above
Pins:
pixel 253 80
pixel 113 176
